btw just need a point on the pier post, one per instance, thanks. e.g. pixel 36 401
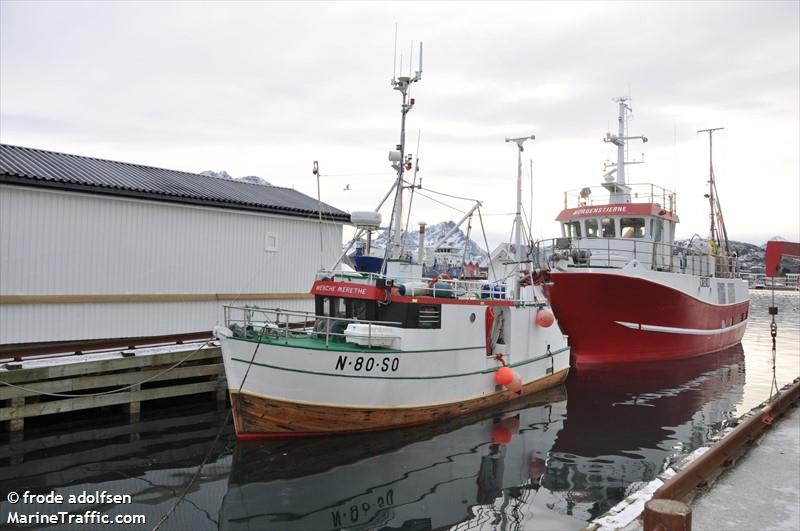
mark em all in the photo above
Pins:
pixel 16 424
pixel 666 515
pixel 222 390
pixel 134 408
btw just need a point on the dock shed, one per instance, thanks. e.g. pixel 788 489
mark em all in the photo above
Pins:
pixel 95 249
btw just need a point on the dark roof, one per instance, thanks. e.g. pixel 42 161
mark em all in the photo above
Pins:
pixel 36 167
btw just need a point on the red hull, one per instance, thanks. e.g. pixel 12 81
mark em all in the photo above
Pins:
pixel 621 319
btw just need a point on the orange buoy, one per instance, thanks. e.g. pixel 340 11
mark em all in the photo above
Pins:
pixel 504 376
pixel 544 317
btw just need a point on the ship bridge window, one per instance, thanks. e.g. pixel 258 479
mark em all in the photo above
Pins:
pixel 632 227
pixel 609 228
pixel 592 228
pixel 572 229
pixel 329 306
pixel 657 230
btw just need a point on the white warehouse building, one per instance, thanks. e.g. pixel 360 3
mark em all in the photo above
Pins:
pixel 95 249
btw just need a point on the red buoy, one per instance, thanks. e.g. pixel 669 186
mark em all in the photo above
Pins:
pixel 504 376
pixel 544 318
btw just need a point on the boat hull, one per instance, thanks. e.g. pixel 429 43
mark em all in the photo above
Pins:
pixel 620 317
pixel 258 416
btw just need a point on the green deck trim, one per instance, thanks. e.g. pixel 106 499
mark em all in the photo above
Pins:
pixel 438 377
pixel 311 343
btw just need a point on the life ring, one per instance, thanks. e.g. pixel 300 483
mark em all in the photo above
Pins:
pixel 437 278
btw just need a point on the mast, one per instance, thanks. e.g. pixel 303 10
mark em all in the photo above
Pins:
pixel 619 189
pixel 400 161
pixel 518 217
pixel 713 201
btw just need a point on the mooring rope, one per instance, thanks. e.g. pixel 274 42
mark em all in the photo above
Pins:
pixel 153 377
pixel 196 474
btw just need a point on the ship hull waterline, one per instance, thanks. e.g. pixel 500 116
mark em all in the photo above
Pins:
pixel 257 416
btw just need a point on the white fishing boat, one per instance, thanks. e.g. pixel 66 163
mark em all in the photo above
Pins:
pixel 388 348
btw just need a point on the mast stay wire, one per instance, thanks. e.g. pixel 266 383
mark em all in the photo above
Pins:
pixel 413 186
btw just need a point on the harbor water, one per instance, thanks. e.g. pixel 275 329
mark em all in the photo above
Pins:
pixel 554 461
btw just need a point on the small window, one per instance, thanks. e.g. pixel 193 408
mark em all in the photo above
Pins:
pixel 720 293
pixel 657 230
pixel 731 293
pixel 592 228
pixel 572 229
pixel 271 242
pixel 609 228
pixel 632 227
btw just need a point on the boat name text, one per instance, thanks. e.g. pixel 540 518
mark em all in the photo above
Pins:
pixel 369 364
pixel 348 290
pixel 600 210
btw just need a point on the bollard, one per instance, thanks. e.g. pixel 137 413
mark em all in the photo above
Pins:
pixel 666 515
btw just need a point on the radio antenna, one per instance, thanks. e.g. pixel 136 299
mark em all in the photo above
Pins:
pixel 394 57
pixel 410 58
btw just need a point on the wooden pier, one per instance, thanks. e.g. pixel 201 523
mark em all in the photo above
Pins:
pixel 50 386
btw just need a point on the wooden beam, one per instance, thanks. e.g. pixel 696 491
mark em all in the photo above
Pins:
pixel 68 385
pixel 89 402
pixel 150 297
pixel 104 365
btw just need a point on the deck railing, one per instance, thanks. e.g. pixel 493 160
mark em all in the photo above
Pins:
pixel 278 323
pixel 455 288
pixel 618 252
pixel 640 193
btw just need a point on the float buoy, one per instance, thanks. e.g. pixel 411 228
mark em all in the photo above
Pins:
pixel 504 376
pixel 544 317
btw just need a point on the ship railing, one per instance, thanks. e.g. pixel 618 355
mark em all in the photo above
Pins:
pixel 616 253
pixel 278 323
pixel 458 288
pixel 640 193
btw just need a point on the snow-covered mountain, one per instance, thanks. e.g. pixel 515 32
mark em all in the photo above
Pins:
pixel 222 174
pixel 434 233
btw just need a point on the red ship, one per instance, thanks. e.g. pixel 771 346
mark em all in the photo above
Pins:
pixel 620 286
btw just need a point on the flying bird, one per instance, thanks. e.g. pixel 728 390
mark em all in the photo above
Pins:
pixel 346 188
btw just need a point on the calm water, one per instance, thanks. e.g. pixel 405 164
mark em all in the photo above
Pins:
pixel 553 462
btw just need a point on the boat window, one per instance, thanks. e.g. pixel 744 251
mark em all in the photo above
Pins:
pixel 657 230
pixel 592 228
pixel 632 227
pixel 609 228
pixel 572 229
pixel 360 309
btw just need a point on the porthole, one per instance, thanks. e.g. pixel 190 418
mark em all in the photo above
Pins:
pixel 472 318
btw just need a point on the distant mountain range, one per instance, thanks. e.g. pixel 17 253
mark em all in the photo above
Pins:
pixel 434 233
pixel 222 174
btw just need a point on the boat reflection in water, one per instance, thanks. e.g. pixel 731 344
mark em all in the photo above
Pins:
pixel 554 464
pixel 422 478
pixel 624 422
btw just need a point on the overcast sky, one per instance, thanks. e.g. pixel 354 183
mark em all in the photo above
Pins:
pixel 267 88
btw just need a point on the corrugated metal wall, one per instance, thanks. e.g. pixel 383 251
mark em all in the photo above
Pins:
pixel 66 243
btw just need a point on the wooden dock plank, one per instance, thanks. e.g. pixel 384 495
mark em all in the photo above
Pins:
pixel 37 372
pixel 124 397
pixel 79 383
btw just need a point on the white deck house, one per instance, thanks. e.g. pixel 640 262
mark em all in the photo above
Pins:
pixel 97 249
